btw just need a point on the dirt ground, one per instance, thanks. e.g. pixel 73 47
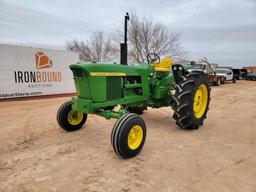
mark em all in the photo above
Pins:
pixel 36 155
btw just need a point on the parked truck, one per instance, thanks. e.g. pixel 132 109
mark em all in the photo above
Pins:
pixel 204 66
pixel 240 74
pixel 227 73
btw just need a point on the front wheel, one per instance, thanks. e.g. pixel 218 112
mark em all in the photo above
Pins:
pixel 191 100
pixel 128 135
pixel 69 119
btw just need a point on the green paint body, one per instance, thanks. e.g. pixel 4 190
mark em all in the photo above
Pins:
pixel 100 87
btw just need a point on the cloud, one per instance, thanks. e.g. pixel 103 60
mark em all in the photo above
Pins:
pixel 223 31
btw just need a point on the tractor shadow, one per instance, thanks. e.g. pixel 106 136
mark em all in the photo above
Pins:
pixel 160 118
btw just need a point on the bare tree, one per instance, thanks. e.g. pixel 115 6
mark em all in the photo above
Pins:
pixel 97 48
pixel 146 37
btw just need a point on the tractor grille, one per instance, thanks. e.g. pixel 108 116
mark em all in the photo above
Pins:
pixel 114 88
pixel 78 73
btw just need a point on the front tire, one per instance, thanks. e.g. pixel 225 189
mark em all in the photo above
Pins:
pixel 68 119
pixel 191 100
pixel 128 135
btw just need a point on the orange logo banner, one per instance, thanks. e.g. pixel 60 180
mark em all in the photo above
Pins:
pixel 42 61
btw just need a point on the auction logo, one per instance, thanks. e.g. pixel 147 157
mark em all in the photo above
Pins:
pixel 42 61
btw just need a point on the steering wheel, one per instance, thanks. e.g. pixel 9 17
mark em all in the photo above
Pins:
pixel 153 58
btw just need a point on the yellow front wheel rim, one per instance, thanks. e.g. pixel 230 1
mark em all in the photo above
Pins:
pixel 200 101
pixel 135 137
pixel 75 117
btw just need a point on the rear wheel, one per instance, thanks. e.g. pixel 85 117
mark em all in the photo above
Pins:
pixel 69 119
pixel 128 135
pixel 234 80
pixel 191 100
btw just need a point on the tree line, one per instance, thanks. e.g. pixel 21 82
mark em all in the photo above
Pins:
pixel 144 36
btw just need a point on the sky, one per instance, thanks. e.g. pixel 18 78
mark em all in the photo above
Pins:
pixel 224 31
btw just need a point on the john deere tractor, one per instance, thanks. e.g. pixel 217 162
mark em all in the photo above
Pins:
pixel 124 91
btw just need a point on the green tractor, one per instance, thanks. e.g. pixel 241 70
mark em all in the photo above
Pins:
pixel 124 91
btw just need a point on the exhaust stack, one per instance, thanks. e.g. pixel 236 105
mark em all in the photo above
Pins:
pixel 123 46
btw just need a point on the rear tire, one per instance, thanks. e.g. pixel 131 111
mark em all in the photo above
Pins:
pixel 128 135
pixel 191 100
pixel 234 80
pixel 68 119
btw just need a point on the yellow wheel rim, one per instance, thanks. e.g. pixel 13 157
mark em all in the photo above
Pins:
pixel 200 101
pixel 75 117
pixel 135 137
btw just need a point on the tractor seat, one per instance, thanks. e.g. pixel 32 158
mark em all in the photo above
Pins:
pixel 164 65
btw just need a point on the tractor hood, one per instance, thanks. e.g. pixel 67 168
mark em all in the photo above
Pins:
pixel 95 69
pixel 105 82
